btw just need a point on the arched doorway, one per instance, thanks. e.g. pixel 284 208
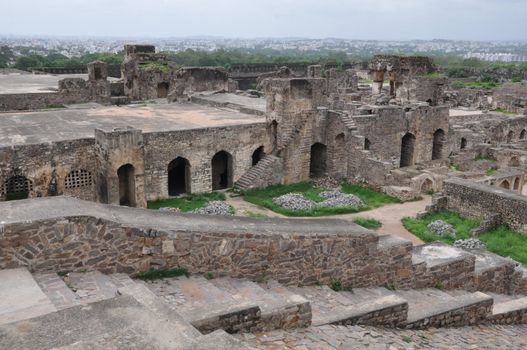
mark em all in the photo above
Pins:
pixel 318 160
pixel 510 136
pixel 257 156
pixel 427 186
pixel 17 187
pixel 505 184
pixel 407 150
pixel 221 170
pixel 439 142
pixel 126 174
pixel 463 143
pixel 523 134
pixel 178 176
pixel 517 184
pixel 367 144
pixel 162 90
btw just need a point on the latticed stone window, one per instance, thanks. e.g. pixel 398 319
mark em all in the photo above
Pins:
pixel 16 185
pixel 78 178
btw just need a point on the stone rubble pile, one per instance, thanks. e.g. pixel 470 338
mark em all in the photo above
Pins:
pixel 471 243
pixel 214 208
pixel 441 228
pixel 170 209
pixel 296 201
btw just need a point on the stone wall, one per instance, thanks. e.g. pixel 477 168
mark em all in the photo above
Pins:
pixel 481 201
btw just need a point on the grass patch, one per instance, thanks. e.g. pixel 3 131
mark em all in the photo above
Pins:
pixel 490 172
pixel 160 274
pixel 264 198
pixel 501 110
pixel 155 67
pixel 372 224
pixel 502 240
pixel 407 338
pixel 187 203
pixel 338 286
pixel 481 85
pixel 252 214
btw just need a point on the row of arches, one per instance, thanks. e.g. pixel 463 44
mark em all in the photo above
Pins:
pixel 408 147
pixel 511 185
pixel 511 135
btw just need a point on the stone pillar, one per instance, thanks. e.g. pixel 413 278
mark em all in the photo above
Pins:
pixel 117 150
pixel 314 71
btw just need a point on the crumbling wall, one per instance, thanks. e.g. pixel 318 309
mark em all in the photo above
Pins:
pixel 189 80
pixel 482 201
pixel 511 97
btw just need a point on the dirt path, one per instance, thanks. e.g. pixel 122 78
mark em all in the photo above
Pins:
pixel 390 215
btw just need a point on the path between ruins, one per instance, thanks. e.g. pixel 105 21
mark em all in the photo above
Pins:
pixel 390 215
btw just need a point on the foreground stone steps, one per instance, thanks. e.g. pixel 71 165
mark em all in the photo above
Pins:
pixel 278 311
pixel 330 307
pixel 57 291
pixel 205 306
pixel 20 297
pixel 91 286
pixel 434 308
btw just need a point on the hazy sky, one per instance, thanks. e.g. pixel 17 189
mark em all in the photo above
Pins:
pixel 355 19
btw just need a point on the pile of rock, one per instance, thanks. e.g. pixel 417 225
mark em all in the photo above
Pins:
pixel 214 208
pixel 170 209
pixel 333 199
pixel 442 228
pixel 294 201
pixel 471 243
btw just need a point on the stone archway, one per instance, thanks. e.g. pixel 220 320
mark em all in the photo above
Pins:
pixel 257 155
pixel 463 143
pixel 318 160
pixel 407 150
pixel 505 184
pixel 517 184
pixel 221 170
pixel 367 144
pixel 178 176
pixel 126 174
pixel 510 136
pixel 523 134
pixel 427 186
pixel 162 90
pixel 438 144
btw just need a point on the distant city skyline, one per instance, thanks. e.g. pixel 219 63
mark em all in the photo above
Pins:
pixel 479 20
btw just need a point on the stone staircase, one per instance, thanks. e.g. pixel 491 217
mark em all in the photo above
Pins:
pixel 188 312
pixel 348 121
pixel 261 174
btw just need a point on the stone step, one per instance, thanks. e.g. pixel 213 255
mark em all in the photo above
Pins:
pixel 57 291
pixel 91 286
pixel 337 308
pixel 509 309
pixel 21 297
pixel 434 308
pixel 277 311
pixel 205 306
pixel 220 340
pixel 117 323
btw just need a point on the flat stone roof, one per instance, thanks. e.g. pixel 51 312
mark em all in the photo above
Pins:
pixel 23 82
pixel 80 121
pixel 37 209
pixel 234 101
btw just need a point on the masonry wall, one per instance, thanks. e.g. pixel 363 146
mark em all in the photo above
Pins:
pixel 481 201
pixel 47 166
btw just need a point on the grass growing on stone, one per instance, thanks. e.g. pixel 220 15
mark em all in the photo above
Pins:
pixel 264 197
pixel 160 274
pixel 372 224
pixel 187 203
pixel 502 240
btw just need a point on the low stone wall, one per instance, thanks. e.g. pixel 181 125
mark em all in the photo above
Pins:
pixel 479 200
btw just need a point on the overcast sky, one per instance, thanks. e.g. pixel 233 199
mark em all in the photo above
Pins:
pixel 354 19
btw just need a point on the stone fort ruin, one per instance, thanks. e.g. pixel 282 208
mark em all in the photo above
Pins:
pixel 162 131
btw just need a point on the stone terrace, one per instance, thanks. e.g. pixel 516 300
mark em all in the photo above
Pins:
pixel 80 121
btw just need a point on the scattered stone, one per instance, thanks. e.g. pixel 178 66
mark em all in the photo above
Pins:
pixel 342 200
pixel 471 243
pixel 294 201
pixel 327 182
pixel 214 208
pixel 442 228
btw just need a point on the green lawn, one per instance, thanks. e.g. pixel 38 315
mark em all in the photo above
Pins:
pixel 372 224
pixel 187 203
pixel 502 240
pixel 264 197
